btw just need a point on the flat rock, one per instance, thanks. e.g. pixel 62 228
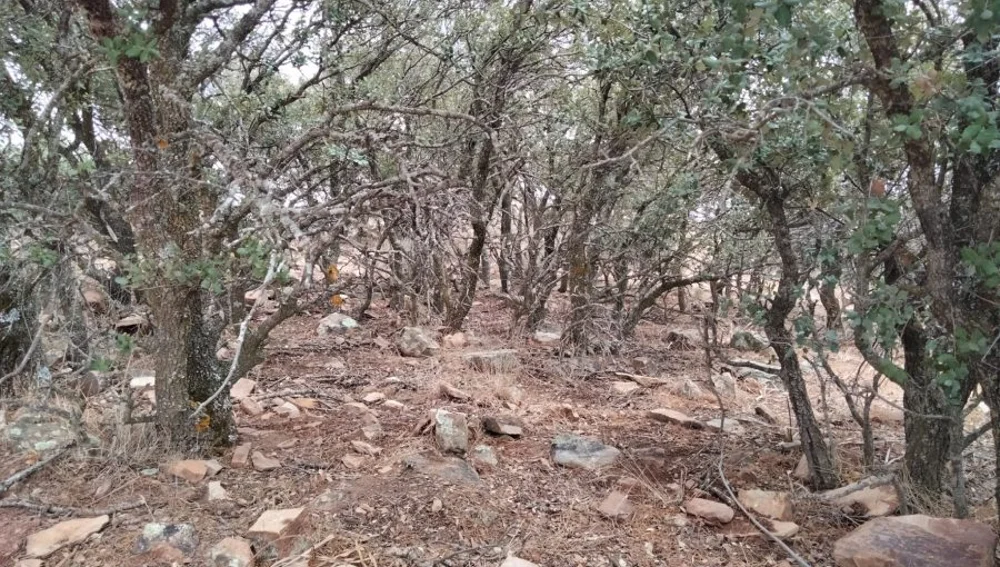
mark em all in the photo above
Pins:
pixel 335 324
pixel 251 406
pixel 917 541
pixel 499 425
pixel 416 341
pixel 39 431
pixel 394 405
pixel 372 431
pixel 263 463
pixel 582 452
pixel 189 470
pixel 725 384
pixel 484 455
pixel 142 382
pixel 871 502
pixel 709 510
pixel 451 431
pixel 274 524
pixel 495 361
pixel 546 337
pixel 48 541
pixel 748 341
pixel 449 391
pixel 373 398
pixel 366 448
pixel 802 471
pixel 517 562
pixel 622 388
pixel 455 340
pixel 449 469
pixel 29 563
pixel 241 456
pixel 231 552
pixel 664 415
pixel 616 506
pixel 305 403
pixel 242 388
pixel 289 410
pixel 731 426
pixel 771 504
pixel 216 492
pixel 353 462
pixel 179 536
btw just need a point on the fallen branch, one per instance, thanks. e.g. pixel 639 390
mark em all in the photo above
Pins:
pixel 21 475
pixel 68 510
pixel 869 482
pixel 740 363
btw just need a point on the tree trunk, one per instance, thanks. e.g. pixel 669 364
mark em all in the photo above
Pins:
pixel 821 463
pixel 503 263
pixel 18 320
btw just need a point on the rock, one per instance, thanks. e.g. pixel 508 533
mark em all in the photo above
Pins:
pixel 871 502
pixel 641 364
pixel 231 552
pixel 709 510
pixel 725 384
pixel 437 506
pixel 687 339
pixel 71 532
pixel 305 403
pixel 802 471
pixel 496 361
pixel 278 524
pixel 616 506
pixel 393 404
pixel 664 415
pixel 142 382
pixel 731 426
pixel 455 340
pixel 251 406
pixel 95 299
pixel 741 528
pixel 161 555
pixel 748 341
pixel 502 426
pixel 264 463
pixel 546 337
pixel 373 398
pixel 29 563
pixel 449 469
pixel 289 410
pixel 251 296
pixel 178 536
pixel 372 431
pixel 242 388
pixel 132 324
pixel 189 470
pixel 366 448
pixel 241 455
pixel 765 415
pixel 40 431
pixel 693 391
pixel 216 492
pixel 449 391
pixel 582 452
pixel 484 455
pixel 517 562
pixel 917 541
pixel 624 388
pixel 353 462
pixel 415 341
pixel 335 324
pixel 774 505
pixel 783 530
pixel 451 431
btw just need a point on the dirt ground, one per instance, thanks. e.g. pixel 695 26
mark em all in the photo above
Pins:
pixel 386 514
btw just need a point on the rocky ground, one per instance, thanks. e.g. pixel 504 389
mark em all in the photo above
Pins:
pixel 472 450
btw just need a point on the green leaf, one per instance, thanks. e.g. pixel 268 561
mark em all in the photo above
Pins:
pixel 783 14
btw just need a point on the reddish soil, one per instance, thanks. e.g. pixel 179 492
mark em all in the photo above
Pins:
pixel 381 514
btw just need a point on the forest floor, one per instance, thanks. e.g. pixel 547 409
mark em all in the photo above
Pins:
pixel 386 513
